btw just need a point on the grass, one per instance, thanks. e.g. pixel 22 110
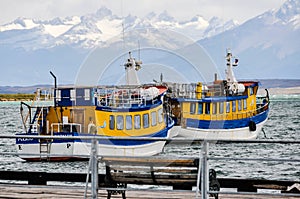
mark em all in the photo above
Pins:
pixel 16 97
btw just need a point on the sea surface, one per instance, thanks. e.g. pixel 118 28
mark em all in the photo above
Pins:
pixel 283 124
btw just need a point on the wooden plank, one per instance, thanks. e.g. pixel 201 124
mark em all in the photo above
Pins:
pixel 150 161
pixel 140 169
pixel 161 181
pixel 75 192
pixel 117 176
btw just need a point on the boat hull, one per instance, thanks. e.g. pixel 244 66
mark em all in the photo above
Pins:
pixel 219 134
pixel 245 132
pixel 81 151
pixel 76 150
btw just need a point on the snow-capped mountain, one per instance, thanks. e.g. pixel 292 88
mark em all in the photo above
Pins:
pixel 268 45
pixel 95 29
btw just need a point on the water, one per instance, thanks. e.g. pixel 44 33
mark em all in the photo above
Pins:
pixel 283 123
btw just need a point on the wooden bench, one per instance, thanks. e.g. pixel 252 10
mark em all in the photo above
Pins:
pixel 178 173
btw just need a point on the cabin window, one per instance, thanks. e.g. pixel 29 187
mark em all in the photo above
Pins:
pixel 214 108
pixel 120 122
pixel 137 121
pixel 221 107
pixel 192 108
pixel 146 120
pixel 233 106
pixel 160 115
pixel 111 122
pixel 251 90
pixel 239 105
pixel 245 104
pixel 200 108
pixel 153 118
pixel 128 122
pixel 227 107
pixel 86 94
pixel 207 108
pixel 58 95
pixel 73 94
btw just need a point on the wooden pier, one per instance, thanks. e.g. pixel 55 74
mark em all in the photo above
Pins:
pixel 36 187
pixel 181 175
pixel 16 191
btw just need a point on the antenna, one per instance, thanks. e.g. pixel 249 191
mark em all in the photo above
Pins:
pixel 123 29
pixel 139 50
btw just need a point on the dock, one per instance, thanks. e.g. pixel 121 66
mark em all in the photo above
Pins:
pixel 72 192
pixel 183 177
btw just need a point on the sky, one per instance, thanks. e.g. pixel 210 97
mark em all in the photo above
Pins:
pixel 239 10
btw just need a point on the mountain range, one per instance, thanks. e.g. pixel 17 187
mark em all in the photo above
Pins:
pixel 266 45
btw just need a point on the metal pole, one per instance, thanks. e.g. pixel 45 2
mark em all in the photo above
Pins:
pixel 204 171
pixel 199 173
pixel 55 88
pixel 94 168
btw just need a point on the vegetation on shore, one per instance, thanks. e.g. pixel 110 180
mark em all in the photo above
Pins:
pixel 16 97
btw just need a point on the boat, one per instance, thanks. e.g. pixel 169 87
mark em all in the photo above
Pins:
pixel 132 110
pixel 224 109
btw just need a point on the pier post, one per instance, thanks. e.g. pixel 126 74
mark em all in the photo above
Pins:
pixel 94 168
pixel 204 170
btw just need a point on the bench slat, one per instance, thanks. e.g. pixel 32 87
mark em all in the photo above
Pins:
pixel 151 161
pixel 140 169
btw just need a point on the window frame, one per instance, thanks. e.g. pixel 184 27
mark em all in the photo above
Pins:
pixel 192 108
pixel 120 126
pixel 137 125
pixel 153 118
pixel 228 106
pixel 112 122
pixel 128 123
pixel 146 120
pixel 200 105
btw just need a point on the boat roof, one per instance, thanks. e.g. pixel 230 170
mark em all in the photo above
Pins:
pixel 249 83
pixel 213 99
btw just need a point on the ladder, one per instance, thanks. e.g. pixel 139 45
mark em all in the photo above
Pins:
pixel 45 148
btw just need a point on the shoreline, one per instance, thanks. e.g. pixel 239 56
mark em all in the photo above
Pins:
pixel 282 91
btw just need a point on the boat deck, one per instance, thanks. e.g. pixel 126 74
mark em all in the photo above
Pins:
pixel 66 192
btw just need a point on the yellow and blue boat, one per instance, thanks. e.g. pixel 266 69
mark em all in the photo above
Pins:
pixel 225 109
pixel 130 110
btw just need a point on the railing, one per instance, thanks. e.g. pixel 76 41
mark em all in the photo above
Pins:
pixel 35 115
pixel 125 97
pixel 69 127
pixel 189 90
pixel 204 158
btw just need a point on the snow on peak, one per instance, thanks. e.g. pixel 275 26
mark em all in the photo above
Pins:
pixel 100 26
pixel 289 10
pixel 19 24
pixel 103 12
pixel 150 15
pixel 165 16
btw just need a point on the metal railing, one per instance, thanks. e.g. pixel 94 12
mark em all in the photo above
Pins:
pixel 204 158
pixel 125 97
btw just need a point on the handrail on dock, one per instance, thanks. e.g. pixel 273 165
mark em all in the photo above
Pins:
pixel 204 157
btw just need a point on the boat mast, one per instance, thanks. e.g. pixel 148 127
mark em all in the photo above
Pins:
pixel 231 80
pixel 131 66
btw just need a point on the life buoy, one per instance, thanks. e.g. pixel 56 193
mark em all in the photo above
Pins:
pixel 252 126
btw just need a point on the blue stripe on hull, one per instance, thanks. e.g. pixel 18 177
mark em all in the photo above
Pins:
pixel 226 124
pixel 161 134
pixel 37 140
